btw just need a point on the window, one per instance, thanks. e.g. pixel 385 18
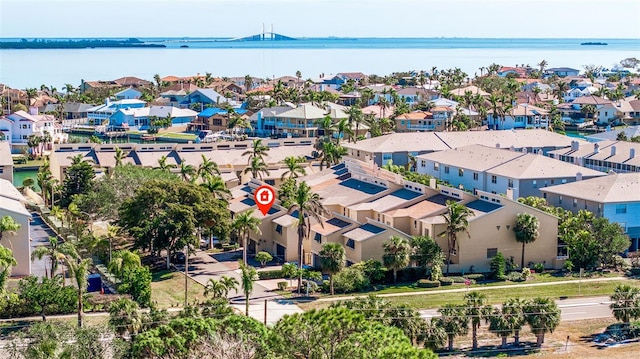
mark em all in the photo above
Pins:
pixel 575 203
pixel 621 208
pixel 415 224
pixel 560 200
pixel 351 243
pixel 494 179
pixel 358 154
pixel 1 170
pixel 475 176
pixel 402 122
pixel 317 238
pixel 510 183
pixel 279 229
pixel 535 184
pixel 436 166
pixel 446 169
pixel 460 172
pixel 492 252
pixel 386 157
pixel 270 182
pixel 423 163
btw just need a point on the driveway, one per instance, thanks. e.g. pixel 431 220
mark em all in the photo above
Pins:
pixel 40 233
pixel 204 266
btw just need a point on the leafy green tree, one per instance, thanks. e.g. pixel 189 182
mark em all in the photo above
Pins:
pixel 457 221
pixel 123 261
pixel 165 215
pixel 78 180
pixel 542 315
pixel 137 283
pixel 56 252
pixel 527 230
pixel 396 255
pixel 304 204
pixel 478 310
pixel 47 296
pixel 125 317
pixel 8 225
pixel 244 223
pixel 426 252
pixel 248 276
pixel 625 303
pixel 454 321
pixel 264 257
pixel 498 267
pixel 332 260
pixel 290 270
pixel 7 260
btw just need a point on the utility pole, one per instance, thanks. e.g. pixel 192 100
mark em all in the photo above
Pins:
pixel 265 312
pixel 186 274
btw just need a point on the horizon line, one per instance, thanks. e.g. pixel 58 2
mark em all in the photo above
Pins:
pixel 320 37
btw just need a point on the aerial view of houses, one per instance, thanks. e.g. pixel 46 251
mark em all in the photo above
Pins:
pixel 310 214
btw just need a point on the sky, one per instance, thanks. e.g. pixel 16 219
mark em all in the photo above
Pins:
pixel 321 18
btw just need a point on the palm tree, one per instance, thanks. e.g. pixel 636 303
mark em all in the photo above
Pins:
pixel 513 312
pixel 215 288
pixel 454 321
pixel 332 260
pixel 123 261
pixel 207 168
pixel 125 316
pixel 543 64
pixel 229 284
pixel 326 123
pixel 356 117
pixel 477 309
pixel 79 270
pixel 258 150
pixel 216 185
pixel 527 231
pixel 248 276
pixel 432 335
pixel 344 129
pixel 119 156
pixel 457 221
pixel 542 315
pixel 589 111
pixel 397 254
pixel 56 252
pixel 306 205
pixel 257 167
pixel 31 94
pixel 625 303
pixel 294 169
pixel 244 223
pixel 163 165
pixel 7 260
pixel 8 225
pixel 187 172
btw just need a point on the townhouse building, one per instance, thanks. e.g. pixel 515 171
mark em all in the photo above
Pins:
pixel 604 156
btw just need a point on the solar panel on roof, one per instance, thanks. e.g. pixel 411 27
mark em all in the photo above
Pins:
pixel 371 228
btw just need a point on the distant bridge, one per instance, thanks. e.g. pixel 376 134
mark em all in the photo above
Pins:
pixel 265 36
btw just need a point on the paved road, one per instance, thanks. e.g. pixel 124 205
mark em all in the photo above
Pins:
pixel 40 233
pixel 572 309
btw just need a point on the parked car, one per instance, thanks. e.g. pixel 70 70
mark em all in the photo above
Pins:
pixel 178 257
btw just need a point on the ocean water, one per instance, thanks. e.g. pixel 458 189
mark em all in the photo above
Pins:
pixel 313 56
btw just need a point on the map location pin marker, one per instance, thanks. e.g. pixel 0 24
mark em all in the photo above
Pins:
pixel 264 197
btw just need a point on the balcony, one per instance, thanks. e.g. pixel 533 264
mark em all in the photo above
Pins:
pixel 421 127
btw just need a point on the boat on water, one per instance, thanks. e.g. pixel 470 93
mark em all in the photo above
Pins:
pixel 594 43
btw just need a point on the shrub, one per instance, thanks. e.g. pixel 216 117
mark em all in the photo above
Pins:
pixel 457 279
pixel 283 285
pixel 436 273
pixel 313 286
pixel 137 283
pixel 446 281
pixel 478 277
pixel 526 273
pixel 568 265
pixel 538 267
pixel 425 283
pixel 373 269
pixel 270 274
pixel 263 257
pixel 497 267
pixel 350 280
pixel 514 277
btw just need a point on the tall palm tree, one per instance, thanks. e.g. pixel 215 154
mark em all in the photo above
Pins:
pixel 248 276
pixel 306 204
pixel 589 110
pixel 187 171
pixel 356 117
pixel 513 313
pixel 542 315
pixel 454 320
pixel 163 165
pixel 207 168
pixel 244 223
pixel 7 260
pixel 397 254
pixel 478 310
pixel 257 167
pixel 326 123
pixel 79 269
pixel 527 231
pixel 294 169
pixel 542 64
pixel 123 261
pixel 258 150
pixel 344 129
pixel 217 187
pixel 457 221
pixel 119 156
pixel 332 260
pixel 56 252
pixel 625 303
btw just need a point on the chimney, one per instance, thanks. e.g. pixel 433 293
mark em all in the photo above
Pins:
pixel 579 176
pixel 632 153
pixel 524 150
pixel 613 150
pixel 33 110
pixel 596 148
pixel 510 193
pixel 497 145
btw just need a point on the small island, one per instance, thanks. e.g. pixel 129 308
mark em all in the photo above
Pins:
pixel 594 43
pixel 74 44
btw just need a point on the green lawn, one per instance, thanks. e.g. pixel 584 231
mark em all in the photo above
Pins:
pixel 30 163
pixel 184 136
pixel 167 289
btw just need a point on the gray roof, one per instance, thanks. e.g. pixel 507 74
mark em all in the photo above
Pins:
pixel 631 131
pixel 613 188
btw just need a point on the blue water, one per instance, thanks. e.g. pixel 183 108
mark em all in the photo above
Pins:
pixel 311 56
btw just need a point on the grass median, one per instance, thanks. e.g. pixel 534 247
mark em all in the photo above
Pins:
pixel 167 289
